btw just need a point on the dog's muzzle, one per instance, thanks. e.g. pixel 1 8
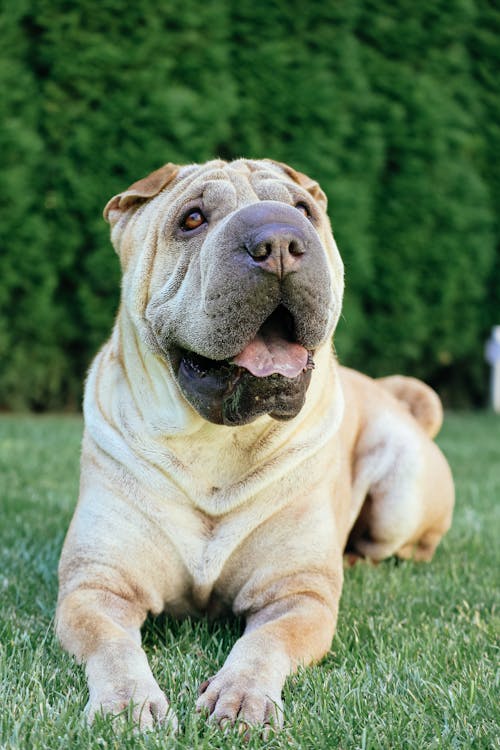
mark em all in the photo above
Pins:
pixel 270 376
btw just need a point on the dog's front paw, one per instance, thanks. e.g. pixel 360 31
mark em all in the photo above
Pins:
pixel 233 697
pixel 143 704
pixel 121 684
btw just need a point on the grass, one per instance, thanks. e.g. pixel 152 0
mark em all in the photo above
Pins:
pixel 412 665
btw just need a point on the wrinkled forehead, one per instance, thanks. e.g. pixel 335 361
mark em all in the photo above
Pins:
pixel 234 184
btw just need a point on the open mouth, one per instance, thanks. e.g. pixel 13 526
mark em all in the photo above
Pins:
pixel 272 351
pixel 270 375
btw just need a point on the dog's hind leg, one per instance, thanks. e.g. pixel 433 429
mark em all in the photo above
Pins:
pixel 409 500
pixel 421 550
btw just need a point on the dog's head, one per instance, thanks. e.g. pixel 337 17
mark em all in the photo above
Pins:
pixel 231 273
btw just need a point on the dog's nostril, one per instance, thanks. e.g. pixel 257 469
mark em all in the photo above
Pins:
pixel 260 251
pixel 295 248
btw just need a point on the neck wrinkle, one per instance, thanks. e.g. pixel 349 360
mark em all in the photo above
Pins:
pixel 134 412
pixel 152 384
pixel 165 412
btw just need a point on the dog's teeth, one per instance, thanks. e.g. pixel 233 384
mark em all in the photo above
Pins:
pixel 195 367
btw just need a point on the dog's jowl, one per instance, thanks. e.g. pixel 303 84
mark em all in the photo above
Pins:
pixel 218 403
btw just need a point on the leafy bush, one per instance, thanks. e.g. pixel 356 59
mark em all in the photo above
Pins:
pixel 392 106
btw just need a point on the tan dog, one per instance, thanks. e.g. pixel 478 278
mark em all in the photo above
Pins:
pixel 219 470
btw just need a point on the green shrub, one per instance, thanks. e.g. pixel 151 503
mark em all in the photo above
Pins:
pixel 432 224
pixel 392 106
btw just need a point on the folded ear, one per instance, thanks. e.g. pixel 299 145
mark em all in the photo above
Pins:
pixel 140 191
pixel 307 183
pixel 304 181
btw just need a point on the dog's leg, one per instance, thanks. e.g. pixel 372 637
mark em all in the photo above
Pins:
pixel 292 631
pixel 423 550
pixel 410 496
pixel 102 629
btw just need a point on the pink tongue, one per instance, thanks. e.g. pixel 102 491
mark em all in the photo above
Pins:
pixel 272 354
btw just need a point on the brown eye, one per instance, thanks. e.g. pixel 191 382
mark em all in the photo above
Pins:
pixel 193 220
pixel 303 209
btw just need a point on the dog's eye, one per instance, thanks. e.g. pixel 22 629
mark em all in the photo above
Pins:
pixel 303 209
pixel 193 220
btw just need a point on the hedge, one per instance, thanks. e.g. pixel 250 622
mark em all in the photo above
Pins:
pixel 392 106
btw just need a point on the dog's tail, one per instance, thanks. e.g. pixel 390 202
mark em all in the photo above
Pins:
pixel 423 403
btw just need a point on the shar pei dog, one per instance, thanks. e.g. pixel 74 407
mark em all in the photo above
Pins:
pixel 228 461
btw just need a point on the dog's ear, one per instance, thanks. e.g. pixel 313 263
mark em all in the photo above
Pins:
pixel 304 181
pixel 140 191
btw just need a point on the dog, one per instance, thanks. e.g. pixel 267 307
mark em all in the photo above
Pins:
pixel 228 460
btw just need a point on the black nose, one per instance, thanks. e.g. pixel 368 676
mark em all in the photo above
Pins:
pixel 277 248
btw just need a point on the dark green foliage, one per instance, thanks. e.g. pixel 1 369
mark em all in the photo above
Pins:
pixel 484 51
pixel 432 223
pixel 31 363
pixel 393 107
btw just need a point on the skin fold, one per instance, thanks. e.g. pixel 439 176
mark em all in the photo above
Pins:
pixel 206 487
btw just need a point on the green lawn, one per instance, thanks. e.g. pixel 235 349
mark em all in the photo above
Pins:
pixel 412 665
